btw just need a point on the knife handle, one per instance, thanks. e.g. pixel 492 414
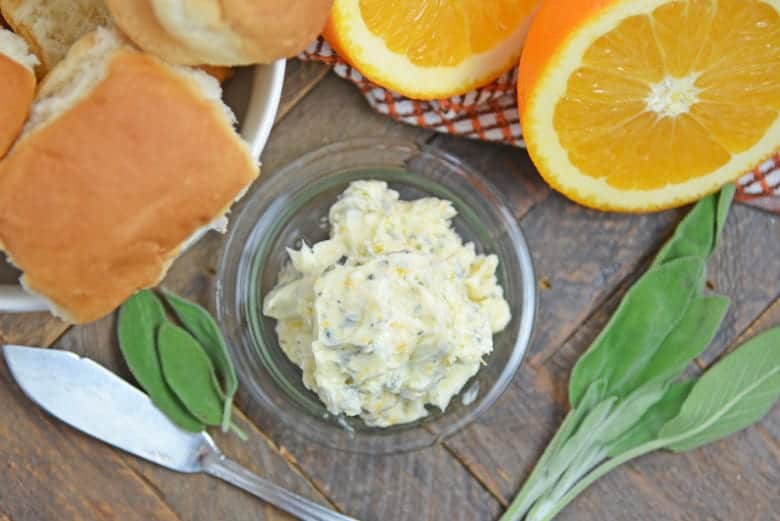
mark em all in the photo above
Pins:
pixel 228 470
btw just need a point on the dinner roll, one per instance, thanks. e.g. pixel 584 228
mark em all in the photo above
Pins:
pixel 123 159
pixel 227 32
pixel 17 88
pixel 52 26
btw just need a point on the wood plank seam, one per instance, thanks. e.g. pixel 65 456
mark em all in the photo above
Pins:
pixel 149 484
pixel 774 444
pixel 62 334
pixel 744 335
pixel 476 475
pixel 286 108
pixel 541 358
pixel 750 330
pixel 289 459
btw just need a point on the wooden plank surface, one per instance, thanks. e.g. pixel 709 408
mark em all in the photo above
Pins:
pixel 584 260
pixel 49 471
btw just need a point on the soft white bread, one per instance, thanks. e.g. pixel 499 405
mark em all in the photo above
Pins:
pixel 17 87
pixel 226 32
pixel 50 27
pixel 123 159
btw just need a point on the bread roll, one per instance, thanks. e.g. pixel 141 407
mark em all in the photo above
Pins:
pixel 227 32
pixel 122 160
pixel 52 26
pixel 17 87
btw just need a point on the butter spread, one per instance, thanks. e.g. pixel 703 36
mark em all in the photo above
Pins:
pixel 393 312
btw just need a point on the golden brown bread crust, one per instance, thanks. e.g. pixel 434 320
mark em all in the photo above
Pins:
pixel 265 30
pixel 17 90
pixel 274 29
pixel 137 21
pixel 96 204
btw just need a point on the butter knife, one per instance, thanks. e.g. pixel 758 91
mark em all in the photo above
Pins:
pixel 87 396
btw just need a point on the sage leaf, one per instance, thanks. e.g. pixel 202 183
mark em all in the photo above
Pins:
pixel 735 393
pixel 629 410
pixel 649 425
pixel 687 340
pixel 582 440
pixel 643 320
pixel 140 318
pixel 698 233
pixel 189 373
pixel 200 324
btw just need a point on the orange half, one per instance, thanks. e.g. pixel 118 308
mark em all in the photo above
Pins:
pixel 641 105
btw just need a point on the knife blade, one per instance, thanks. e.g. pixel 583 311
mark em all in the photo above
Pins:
pixel 94 400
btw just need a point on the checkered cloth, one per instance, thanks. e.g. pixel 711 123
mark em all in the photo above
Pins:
pixel 490 114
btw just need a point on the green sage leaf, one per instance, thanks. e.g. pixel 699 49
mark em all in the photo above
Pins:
pixel 140 318
pixel 735 393
pixel 200 324
pixel 655 417
pixel 630 409
pixel 189 373
pixel 698 233
pixel 648 313
pixel 687 340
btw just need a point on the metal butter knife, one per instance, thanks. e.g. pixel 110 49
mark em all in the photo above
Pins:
pixel 94 400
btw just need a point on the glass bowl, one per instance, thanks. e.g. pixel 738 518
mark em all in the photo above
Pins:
pixel 292 205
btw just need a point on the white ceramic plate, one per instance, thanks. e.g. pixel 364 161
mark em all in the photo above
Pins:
pixel 253 94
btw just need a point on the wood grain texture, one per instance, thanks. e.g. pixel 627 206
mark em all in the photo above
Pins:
pixel 509 168
pixel 299 79
pixel 49 471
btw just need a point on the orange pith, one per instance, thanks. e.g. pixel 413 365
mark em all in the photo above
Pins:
pixel 683 90
pixel 430 49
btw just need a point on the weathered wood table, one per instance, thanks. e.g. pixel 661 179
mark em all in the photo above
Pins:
pixel 584 260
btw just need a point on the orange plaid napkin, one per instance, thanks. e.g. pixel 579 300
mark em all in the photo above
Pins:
pixel 490 114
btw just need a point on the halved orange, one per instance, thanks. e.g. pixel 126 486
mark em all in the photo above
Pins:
pixel 641 105
pixel 433 48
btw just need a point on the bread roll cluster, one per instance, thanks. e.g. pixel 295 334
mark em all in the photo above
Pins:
pixel 124 152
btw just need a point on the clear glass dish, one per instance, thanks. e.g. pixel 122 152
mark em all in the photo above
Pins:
pixel 292 205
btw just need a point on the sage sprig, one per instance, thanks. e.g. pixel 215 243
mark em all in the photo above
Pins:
pixel 627 393
pixel 202 326
pixel 140 318
pixel 183 369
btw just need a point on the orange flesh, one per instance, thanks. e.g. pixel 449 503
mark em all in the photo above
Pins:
pixel 615 125
pixel 443 32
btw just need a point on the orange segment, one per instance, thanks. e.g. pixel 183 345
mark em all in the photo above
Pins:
pixel 641 105
pixel 430 49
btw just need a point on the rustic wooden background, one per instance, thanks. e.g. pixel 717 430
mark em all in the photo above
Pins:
pixel 584 259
